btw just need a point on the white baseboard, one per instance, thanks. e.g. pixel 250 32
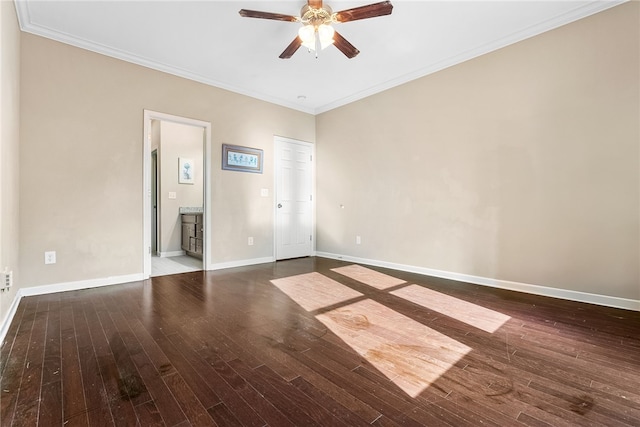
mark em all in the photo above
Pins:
pixel 80 284
pixel 241 263
pixel 105 281
pixel 61 287
pixel 171 253
pixel 4 326
pixel 605 300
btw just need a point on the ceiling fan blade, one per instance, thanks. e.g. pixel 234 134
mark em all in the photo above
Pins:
pixel 267 15
pixel 316 4
pixel 363 12
pixel 291 49
pixel 344 46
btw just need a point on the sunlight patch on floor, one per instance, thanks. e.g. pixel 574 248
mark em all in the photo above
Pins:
pixel 314 291
pixel 469 313
pixel 369 277
pixel 407 352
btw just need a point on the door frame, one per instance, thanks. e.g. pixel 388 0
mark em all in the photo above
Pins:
pixel 155 220
pixel 150 115
pixel 277 140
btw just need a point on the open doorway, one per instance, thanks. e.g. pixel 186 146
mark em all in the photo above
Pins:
pixel 176 186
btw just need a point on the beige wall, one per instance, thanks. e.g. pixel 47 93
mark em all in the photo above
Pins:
pixel 9 148
pixel 177 140
pixel 82 157
pixel 520 165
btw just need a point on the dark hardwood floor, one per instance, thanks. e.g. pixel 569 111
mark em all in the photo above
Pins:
pixel 311 342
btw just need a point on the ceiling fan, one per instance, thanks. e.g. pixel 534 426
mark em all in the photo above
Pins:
pixel 317 32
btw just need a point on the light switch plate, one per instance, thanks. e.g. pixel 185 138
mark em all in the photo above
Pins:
pixel 264 192
pixel 172 194
pixel 50 257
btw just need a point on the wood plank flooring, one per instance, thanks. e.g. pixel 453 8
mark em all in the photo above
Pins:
pixel 317 342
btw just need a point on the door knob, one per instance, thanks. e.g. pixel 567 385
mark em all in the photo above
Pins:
pixel 279 205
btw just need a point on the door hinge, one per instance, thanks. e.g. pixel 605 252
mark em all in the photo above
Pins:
pixel 311 157
pixel 310 238
pixel 310 197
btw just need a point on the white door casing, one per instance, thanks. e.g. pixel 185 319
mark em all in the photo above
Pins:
pixel 293 198
pixel 147 208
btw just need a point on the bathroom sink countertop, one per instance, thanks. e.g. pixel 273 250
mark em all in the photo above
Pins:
pixel 191 210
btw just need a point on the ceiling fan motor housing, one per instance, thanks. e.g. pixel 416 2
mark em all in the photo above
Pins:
pixel 316 16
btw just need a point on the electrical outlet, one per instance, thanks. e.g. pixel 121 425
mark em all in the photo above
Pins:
pixel 7 280
pixel 358 240
pixel 50 257
pixel 250 242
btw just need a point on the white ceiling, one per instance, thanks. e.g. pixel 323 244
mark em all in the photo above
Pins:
pixel 209 42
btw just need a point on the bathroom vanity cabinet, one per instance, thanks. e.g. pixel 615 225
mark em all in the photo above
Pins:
pixel 192 234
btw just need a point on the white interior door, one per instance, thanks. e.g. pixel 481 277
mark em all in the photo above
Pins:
pixel 293 198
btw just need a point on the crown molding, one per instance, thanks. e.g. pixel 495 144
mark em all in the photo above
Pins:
pixel 579 12
pixel 531 31
pixel 24 19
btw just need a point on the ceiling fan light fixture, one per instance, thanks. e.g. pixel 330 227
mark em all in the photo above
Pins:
pixel 312 36
pixel 325 34
pixel 307 34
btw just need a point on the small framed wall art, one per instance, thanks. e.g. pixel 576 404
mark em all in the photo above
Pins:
pixel 243 159
pixel 186 171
